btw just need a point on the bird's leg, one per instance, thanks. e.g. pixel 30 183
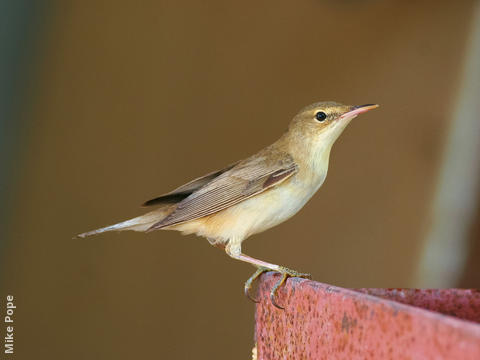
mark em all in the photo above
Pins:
pixel 234 250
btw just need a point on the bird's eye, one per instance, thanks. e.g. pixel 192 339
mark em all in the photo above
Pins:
pixel 320 116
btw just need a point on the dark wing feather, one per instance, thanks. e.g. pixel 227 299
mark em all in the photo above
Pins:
pixel 186 190
pixel 244 180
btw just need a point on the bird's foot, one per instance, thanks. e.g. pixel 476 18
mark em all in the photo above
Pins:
pixel 251 280
pixel 286 273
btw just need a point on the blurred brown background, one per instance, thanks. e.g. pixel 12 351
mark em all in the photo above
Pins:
pixel 123 101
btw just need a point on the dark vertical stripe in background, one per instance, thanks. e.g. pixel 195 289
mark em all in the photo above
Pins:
pixel 21 24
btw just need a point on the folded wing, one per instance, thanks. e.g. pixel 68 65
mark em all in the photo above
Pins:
pixel 186 190
pixel 242 181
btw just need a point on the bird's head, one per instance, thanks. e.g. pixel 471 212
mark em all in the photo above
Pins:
pixel 323 122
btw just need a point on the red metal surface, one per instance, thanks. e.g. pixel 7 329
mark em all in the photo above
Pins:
pixel 461 303
pixel 327 322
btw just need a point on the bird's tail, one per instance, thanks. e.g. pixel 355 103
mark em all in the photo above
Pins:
pixel 140 223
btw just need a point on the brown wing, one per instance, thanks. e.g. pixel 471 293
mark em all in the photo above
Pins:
pixel 244 180
pixel 186 190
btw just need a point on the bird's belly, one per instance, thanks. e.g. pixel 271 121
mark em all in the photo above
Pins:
pixel 255 214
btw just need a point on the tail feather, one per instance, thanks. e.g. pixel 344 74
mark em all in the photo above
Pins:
pixel 140 223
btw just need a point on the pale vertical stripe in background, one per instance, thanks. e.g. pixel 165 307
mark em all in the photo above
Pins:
pixel 446 245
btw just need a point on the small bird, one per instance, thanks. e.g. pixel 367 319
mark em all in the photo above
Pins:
pixel 252 195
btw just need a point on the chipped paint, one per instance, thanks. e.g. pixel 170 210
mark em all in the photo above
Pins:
pixel 327 322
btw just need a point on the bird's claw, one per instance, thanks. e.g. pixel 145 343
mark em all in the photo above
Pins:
pixel 286 273
pixel 251 279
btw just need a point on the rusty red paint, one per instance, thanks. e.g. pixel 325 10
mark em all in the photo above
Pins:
pixel 327 322
pixel 461 303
